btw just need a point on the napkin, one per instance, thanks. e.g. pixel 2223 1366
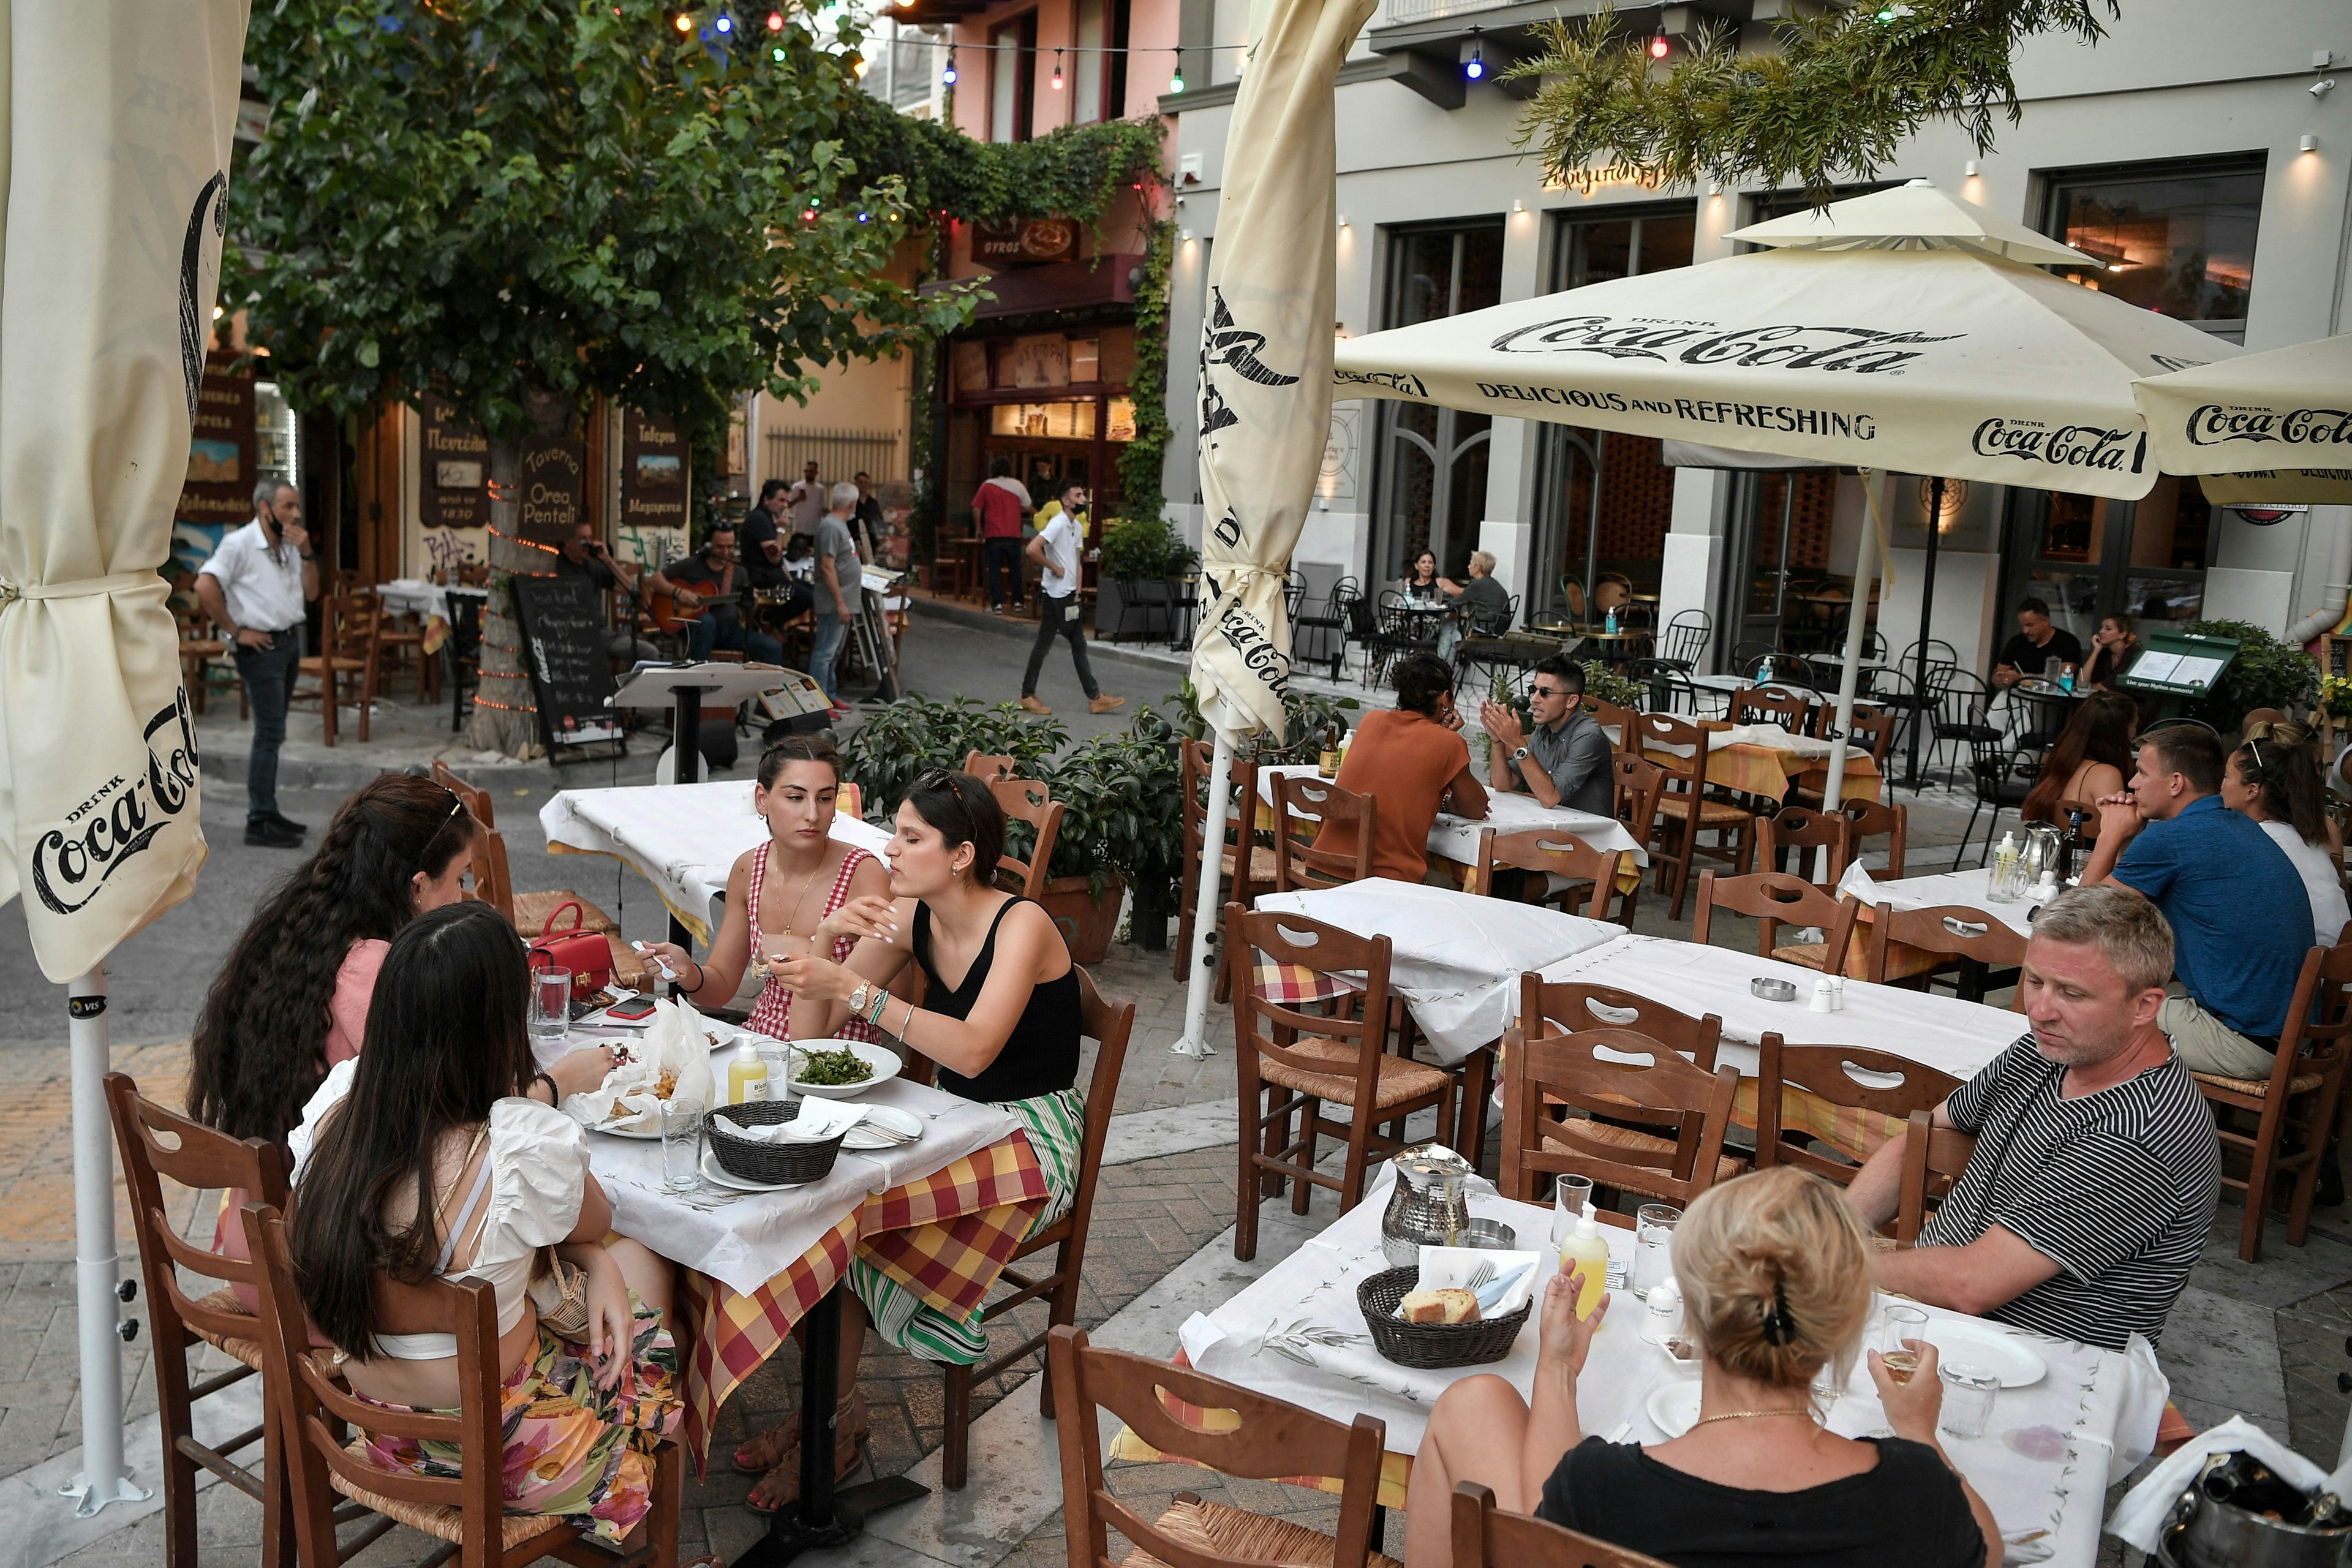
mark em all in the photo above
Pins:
pixel 1449 1268
pixel 678 1041
pixel 818 1119
pixel 2139 1518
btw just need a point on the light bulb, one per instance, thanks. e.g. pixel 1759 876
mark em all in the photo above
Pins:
pixel 777 56
pixel 1475 67
pixel 948 75
pixel 1176 81
pixel 1659 47
pixel 775 21
pixel 1058 70
pixel 683 23
pixel 725 24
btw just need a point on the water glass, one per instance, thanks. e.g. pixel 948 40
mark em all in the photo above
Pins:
pixel 1968 1393
pixel 681 1135
pixel 1654 1246
pixel 1570 1202
pixel 550 1006
pixel 1902 1322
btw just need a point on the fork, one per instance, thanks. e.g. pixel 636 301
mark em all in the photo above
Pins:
pixel 1482 1275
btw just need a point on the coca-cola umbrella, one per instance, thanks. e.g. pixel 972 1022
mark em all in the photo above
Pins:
pixel 1903 331
pixel 2273 426
pixel 118 125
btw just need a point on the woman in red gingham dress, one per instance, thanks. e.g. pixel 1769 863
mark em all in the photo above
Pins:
pixel 772 1014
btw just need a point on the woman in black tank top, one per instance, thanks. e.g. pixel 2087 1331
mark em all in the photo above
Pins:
pixel 1001 1016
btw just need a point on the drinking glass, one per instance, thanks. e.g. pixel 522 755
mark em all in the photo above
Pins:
pixel 681 1135
pixel 1654 1246
pixel 1902 1323
pixel 1570 1202
pixel 550 1006
pixel 1968 1393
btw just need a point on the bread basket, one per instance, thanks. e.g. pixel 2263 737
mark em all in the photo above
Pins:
pixel 793 1163
pixel 1431 1346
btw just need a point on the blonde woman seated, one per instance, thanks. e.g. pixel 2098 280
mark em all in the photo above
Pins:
pixel 1776 1285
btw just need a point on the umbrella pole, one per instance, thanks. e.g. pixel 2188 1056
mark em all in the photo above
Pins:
pixel 104 1478
pixel 1195 1041
pixel 1926 607
pixel 1857 632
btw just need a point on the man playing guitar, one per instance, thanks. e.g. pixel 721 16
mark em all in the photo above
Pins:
pixel 710 587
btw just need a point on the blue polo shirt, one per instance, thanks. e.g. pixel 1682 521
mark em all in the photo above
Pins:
pixel 2241 920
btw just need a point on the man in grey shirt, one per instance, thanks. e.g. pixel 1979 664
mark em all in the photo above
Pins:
pixel 839 576
pixel 1563 759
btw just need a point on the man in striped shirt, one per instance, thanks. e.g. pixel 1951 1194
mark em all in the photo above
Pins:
pixel 2095 1169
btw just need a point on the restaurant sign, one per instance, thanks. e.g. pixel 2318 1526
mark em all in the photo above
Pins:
pixel 554 489
pixel 652 473
pixel 457 467
pixel 1031 244
pixel 221 448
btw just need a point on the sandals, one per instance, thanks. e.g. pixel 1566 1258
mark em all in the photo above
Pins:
pixel 783 1441
pixel 781 1487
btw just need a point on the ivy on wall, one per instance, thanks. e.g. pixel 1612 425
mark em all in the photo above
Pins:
pixel 1139 463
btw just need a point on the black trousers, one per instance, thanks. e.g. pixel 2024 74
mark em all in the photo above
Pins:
pixel 1059 617
pixel 1000 562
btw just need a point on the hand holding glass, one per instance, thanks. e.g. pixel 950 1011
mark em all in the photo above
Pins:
pixel 1905 1325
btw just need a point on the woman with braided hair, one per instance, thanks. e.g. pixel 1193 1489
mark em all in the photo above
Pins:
pixel 1775 1282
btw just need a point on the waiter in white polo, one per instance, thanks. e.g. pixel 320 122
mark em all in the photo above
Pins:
pixel 255 588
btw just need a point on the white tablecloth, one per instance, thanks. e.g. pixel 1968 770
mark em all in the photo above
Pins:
pixel 1455 958
pixel 745 1242
pixel 1941 1032
pixel 682 839
pixel 1456 839
pixel 416 597
pixel 2042 1466
pixel 1966 888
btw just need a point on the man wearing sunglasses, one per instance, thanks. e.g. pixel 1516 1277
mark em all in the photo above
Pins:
pixel 1563 758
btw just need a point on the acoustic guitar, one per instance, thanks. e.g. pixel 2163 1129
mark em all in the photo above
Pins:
pixel 662 609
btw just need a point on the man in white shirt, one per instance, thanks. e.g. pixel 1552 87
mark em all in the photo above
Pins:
pixel 255 589
pixel 1055 551
pixel 806 503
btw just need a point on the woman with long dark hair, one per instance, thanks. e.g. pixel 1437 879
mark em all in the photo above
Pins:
pixel 2112 647
pixel 459 1165
pixel 1422 585
pixel 1002 1022
pixel 2274 778
pixel 2089 762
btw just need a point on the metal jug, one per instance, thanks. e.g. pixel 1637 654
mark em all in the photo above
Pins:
pixel 2038 857
pixel 1428 1205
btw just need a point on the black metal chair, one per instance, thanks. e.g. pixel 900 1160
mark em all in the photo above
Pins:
pixel 1956 702
pixel 1671 691
pixel 2002 777
pixel 1326 630
pixel 1685 644
pixel 1293 594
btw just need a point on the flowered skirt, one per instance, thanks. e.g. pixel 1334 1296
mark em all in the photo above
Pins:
pixel 1055 1125
pixel 572 1449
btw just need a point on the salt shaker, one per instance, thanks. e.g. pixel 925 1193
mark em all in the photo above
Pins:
pixel 1824 996
pixel 1662 1321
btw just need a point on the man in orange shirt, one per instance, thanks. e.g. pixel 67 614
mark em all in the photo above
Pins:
pixel 1413 760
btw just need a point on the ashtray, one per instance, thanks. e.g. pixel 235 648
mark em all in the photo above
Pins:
pixel 1489 1233
pixel 1774 990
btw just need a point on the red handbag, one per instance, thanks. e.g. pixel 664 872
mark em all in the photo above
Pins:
pixel 583 951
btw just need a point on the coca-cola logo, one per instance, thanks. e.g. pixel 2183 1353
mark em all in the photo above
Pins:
pixel 2216 424
pixel 73 861
pixel 1865 351
pixel 2061 445
pixel 1248 637
pixel 1398 381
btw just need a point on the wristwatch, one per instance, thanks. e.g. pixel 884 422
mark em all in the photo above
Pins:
pixel 858 999
pixel 1520 755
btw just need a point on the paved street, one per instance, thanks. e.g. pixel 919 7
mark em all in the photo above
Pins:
pixel 2267 1341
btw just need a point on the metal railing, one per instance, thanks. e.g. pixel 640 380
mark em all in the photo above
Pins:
pixel 1400 13
pixel 840 455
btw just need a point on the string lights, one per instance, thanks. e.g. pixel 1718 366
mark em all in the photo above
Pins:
pixel 1058 70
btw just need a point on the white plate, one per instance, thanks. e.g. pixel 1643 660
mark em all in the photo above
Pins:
pixel 886 1065
pixel 906 1124
pixel 653 1136
pixel 1978 1345
pixel 718 1174
pixel 1673 1407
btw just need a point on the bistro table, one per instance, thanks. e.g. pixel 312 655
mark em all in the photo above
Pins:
pixel 1296 1334
pixel 1964 890
pixel 1761 760
pixel 1454 839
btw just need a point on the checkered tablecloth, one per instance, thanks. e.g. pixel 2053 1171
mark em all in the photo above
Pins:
pixel 946 1237
pixel 1766 771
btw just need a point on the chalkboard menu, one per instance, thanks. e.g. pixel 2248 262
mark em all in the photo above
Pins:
pixel 563 637
pixel 456 457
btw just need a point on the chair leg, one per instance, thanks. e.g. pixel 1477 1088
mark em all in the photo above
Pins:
pixel 956 1457
pixel 2261 1167
pixel 1683 851
pixel 1302 1190
pixel 179 1479
pixel 668 1501
pixel 1477 1079
pixel 1245 1190
pixel 277 1535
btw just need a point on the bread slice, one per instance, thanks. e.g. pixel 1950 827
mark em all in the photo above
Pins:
pixel 1438 1307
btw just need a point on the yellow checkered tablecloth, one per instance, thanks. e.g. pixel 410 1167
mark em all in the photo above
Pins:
pixel 1763 771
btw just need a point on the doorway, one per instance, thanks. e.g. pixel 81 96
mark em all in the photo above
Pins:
pixel 1432 461
pixel 2088 557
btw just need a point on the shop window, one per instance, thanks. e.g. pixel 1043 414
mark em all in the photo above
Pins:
pixel 1596 249
pixel 1086 76
pixel 1119 424
pixel 1012 78
pixel 1433 480
pixel 1052 421
pixel 2176 240
pixel 1086 360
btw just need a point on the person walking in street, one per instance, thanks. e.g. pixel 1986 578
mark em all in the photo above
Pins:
pixel 997 507
pixel 840 576
pixel 1055 551
pixel 255 588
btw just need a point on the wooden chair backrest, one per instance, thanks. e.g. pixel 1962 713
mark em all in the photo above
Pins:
pixel 313 1406
pixel 1932 1159
pixel 1275 1439
pixel 1664 730
pixel 1547 849
pixel 1030 801
pixel 1574 1006
pixel 1269 1029
pixel 1771 705
pixel 1837 1074
pixel 1486 1537
pixel 1954 929
pixel 1869 819
pixel 479 804
pixel 989 767
pixel 1110 1024
pixel 1297 863
pixel 1637 783
pixel 1669 1097
pixel 1796 829
pixel 492 884
pixel 1240 821
pixel 1875 726
pixel 1621 719
pixel 1770 897
pixel 2325 986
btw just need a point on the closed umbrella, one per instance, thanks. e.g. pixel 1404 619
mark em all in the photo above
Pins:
pixel 117 125
pixel 2274 426
pixel 1266 399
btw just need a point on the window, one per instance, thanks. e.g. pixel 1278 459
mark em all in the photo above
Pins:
pixel 1432 482
pixel 2176 239
pixel 1596 249
pixel 1086 105
pixel 1012 78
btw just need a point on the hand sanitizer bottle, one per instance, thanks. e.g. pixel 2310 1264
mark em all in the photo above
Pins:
pixel 747 1075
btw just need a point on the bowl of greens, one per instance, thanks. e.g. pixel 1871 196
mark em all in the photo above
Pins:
pixel 838 1070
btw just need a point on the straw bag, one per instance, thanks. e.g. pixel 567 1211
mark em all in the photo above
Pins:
pixel 561 1294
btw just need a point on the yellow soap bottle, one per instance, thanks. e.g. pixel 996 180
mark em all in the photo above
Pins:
pixel 1583 1251
pixel 747 1075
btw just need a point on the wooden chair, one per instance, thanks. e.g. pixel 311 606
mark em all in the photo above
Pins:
pixel 1636 784
pixel 1486 1537
pixel 348 625
pixel 1770 897
pixel 1932 1159
pixel 466 1510
pixel 157 1143
pixel 1298 864
pixel 990 766
pixel 1835 1075
pixel 1275 1439
pixel 1873 731
pixel 1569 1006
pixel 197 652
pixel 479 804
pixel 528 914
pixel 1289 1061
pixel 1109 1027
pixel 2296 1105
pixel 1589 874
pixel 1684 809
pixel 1690 1105
pixel 1954 930
pixel 1772 705
pixel 1868 819
pixel 1030 801
pixel 401 638
pixel 1804 831
pixel 1625 720
pixel 1245 869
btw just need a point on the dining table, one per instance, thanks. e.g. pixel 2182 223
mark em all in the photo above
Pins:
pixel 1969 888
pixel 1763 760
pixel 1454 839
pixel 2070 1417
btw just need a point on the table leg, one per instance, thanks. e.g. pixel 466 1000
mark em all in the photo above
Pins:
pixel 685 747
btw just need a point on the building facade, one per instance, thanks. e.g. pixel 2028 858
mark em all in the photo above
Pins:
pixel 2204 152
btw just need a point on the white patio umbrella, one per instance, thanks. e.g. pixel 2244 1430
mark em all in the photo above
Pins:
pixel 2269 427
pixel 117 129
pixel 1902 332
pixel 1265 399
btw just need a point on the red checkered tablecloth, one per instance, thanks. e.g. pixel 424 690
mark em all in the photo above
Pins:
pixel 946 1237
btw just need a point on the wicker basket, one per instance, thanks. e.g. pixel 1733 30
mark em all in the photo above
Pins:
pixel 787 1164
pixel 1429 1346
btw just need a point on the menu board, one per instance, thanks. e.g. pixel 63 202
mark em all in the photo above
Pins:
pixel 652 473
pixel 563 636
pixel 221 448
pixel 457 492
pixel 554 487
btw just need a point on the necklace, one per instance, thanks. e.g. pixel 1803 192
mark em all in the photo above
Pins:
pixel 792 912
pixel 1749 1416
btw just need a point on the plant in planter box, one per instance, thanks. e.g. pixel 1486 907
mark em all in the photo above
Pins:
pixel 1607 686
pixel 898 744
pixel 1143 549
pixel 1121 828
pixel 2267 673
pixel 1312 722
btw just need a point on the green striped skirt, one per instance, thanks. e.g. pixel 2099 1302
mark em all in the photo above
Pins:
pixel 1055 1125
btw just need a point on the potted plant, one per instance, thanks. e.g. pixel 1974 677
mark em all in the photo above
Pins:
pixel 899 743
pixel 1121 828
pixel 1141 557
pixel 2267 673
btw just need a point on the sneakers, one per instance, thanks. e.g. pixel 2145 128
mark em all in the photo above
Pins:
pixel 1105 703
pixel 288 823
pixel 1031 704
pixel 263 832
